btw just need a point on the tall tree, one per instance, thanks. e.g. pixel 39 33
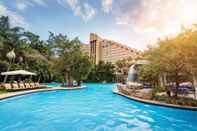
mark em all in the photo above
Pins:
pixel 102 72
pixel 81 67
pixel 175 56
pixel 9 36
pixel 31 52
pixel 72 63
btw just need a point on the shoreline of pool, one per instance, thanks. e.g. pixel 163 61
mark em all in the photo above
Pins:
pixel 151 102
pixel 25 92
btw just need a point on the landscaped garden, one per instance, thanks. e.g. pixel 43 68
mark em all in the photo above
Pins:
pixel 171 70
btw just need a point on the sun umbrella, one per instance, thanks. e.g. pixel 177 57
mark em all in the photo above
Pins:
pixel 18 72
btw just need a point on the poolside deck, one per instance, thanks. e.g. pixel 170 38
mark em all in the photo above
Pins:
pixel 18 93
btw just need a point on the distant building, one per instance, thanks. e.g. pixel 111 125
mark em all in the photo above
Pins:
pixel 105 50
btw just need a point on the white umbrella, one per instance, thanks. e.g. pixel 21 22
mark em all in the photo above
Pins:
pixel 18 72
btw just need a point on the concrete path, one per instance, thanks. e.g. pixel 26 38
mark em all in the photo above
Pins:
pixel 18 93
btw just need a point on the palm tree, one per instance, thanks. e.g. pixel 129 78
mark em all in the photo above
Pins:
pixel 11 56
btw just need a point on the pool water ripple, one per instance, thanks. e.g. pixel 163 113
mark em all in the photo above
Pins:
pixel 93 109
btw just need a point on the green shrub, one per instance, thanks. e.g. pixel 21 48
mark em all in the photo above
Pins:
pixel 157 89
pixel 178 101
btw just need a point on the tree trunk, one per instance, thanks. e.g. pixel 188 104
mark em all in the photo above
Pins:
pixel 176 90
pixel 161 80
pixel 177 84
pixel 79 83
pixel 69 81
pixel 9 66
pixel 63 82
pixel 195 86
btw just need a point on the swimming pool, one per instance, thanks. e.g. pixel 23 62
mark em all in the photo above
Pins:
pixel 94 108
pixel 53 84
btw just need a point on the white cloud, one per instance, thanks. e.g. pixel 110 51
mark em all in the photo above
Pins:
pixel 150 19
pixel 39 2
pixel 106 5
pixel 88 12
pixel 15 19
pixel 80 8
pixel 20 6
pixel 159 15
pixel 71 3
pixel 23 4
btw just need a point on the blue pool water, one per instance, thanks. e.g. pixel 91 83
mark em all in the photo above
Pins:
pixel 95 108
pixel 53 84
pixel 56 84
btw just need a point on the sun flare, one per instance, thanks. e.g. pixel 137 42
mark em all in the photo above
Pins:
pixel 182 15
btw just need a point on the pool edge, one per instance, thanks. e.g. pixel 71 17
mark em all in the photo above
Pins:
pixel 25 92
pixel 151 102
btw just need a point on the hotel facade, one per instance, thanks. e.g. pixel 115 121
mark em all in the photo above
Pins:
pixel 100 49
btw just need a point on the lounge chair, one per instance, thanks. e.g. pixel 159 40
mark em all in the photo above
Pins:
pixel 32 85
pixel 21 85
pixel 27 85
pixel 7 86
pixel 1 86
pixel 15 86
pixel 38 85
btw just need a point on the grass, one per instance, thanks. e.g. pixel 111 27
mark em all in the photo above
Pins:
pixel 2 91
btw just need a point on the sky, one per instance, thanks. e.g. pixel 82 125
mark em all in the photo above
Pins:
pixel 135 23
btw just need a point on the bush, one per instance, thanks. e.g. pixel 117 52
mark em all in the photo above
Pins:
pixel 3 66
pixel 177 101
pixel 158 89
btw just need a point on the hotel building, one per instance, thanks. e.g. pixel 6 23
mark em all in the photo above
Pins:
pixel 105 50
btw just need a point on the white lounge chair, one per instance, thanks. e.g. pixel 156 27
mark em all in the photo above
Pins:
pixel 15 86
pixel 27 85
pixel 32 85
pixel 38 85
pixel 7 86
pixel 21 85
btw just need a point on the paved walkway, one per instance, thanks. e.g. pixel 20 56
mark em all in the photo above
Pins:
pixel 18 93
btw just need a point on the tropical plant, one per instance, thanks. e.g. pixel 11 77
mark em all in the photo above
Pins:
pixel 102 72
pixel 31 53
pixel 81 67
pixel 72 63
